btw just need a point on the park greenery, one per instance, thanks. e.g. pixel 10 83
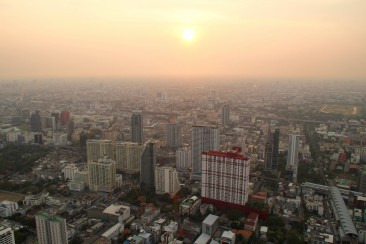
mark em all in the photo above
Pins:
pixel 20 158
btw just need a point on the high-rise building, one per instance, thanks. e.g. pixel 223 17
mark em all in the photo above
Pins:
pixel 6 235
pixel 293 154
pixel 35 121
pixel 225 115
pixel 51 229
pixel 166 180
pixel 137 125
pixel 96 149
pixel 183 158
pixel 204 138
pixel 362 180
pixel 173 136
pixel 271 150
pixel 225 177
pixel 148 162
pixel 128 156
pixel 102 175
pixel 69 171
pixel 70 128
pixel 64 117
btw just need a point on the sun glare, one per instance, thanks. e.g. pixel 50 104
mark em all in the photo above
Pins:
pixel 188 35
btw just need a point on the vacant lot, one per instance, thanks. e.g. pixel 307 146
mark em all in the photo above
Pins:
pixel 340 109
pixel 11 196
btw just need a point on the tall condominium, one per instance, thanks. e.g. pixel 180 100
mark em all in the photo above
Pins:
pixel 96 149
pixel 137 126
pixel 225 115
pixel 204 138
pixel 148 162
pixel 173 136
pixel 128 156
pixel 51 229
pixel 183 158
pixel 102 175
pixel 166 180
pixel 225 177
pixel 271 150
pixel 6 235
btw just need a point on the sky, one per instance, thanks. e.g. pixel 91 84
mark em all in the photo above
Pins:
pixel 290 39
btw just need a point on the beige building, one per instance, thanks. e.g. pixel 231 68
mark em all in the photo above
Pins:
pixel 102 175
pixel 51 229
pixel 95 149
pixel 128 156
pixel 166 180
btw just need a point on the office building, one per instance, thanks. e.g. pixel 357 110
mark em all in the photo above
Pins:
pixel 271 151
pixel 137 125
pixel 166 180
pixel 51 229
pixel 173 136
pixel 102 175
pixel 204 138
pixel 148 163
pixel 96 149
pixel 183 159
pixel 128 156
pixel 225 115
pixel 225 177
pixel 293 154
pixel 35 121
pixel 6 235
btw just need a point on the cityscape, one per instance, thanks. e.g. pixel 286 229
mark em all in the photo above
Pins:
pixel 201 122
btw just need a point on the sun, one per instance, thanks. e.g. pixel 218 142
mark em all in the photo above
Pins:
pixel 188 35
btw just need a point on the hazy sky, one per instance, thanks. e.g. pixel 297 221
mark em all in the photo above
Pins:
pixel 242 38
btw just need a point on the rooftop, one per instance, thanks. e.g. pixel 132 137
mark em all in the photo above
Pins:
pixel 210 219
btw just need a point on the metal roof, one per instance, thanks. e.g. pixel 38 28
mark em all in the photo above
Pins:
pixel 341 212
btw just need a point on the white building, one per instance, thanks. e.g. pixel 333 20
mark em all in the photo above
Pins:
pixel 225 176
pixel 183 158
pixel 204 138
pixel 96 149
pixel 6 235
pixel 128 156
pixel 51 229
pixel 210 224
pixel 102 175
pixel 190 206
pixel 60 139
pixel 70 171
pixel 227 237
pixel 166 180
pixel 8 208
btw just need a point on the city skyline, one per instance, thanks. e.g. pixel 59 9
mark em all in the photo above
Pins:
pixel 275 39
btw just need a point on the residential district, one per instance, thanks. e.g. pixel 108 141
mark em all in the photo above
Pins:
pixel 138 162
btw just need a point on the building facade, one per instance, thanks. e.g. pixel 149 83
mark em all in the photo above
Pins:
pixel 128 156
pixel 102 175
pixel 293 154
pixel 137 126
pixel 51 229
pixel 166 180
pixel 183 159
pixel 271 150
pixel 148 163
pixel 225 115
pixel 96 149
pixel 225 176
pixel 6 235
pixel 204 138
pixel 173 136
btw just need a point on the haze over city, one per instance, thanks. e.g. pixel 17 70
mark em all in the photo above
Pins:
pixel 304 39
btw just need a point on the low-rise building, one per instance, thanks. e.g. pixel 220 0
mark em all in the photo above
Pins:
pixel 190 206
